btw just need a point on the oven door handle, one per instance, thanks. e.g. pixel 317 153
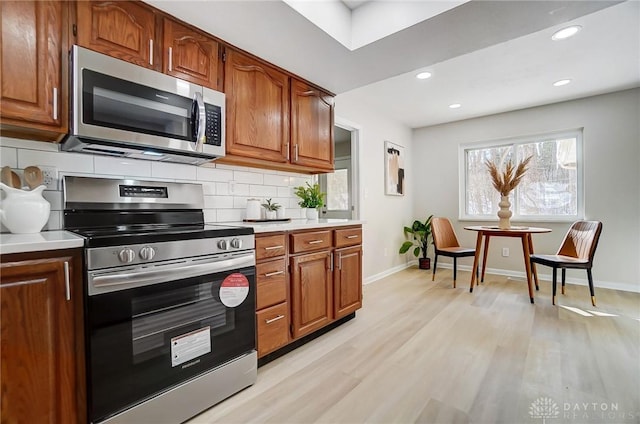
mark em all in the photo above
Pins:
pixel 111 281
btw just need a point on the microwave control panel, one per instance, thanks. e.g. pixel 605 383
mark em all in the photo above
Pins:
pixel 213 131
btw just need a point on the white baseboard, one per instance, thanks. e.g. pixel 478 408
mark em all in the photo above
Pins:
pixel 381 275
pixel 615 285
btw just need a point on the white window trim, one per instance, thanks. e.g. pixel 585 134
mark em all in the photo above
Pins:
pixel 462 175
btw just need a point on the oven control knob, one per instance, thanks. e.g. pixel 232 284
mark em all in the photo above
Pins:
pixel 236 243
pixel 127 255
pixel 223 245
pixel 147 253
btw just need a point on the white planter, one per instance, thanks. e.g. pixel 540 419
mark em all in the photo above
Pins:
pixel 281 213
pixel 312 214
pixel 270 214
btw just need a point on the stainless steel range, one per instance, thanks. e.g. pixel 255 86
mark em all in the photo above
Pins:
pixel 170 301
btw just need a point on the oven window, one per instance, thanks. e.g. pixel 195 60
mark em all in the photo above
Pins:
pixel 145 340
pixel 158 317
pixel 116 103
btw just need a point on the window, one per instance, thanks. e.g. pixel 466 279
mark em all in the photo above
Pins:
pixel 551 190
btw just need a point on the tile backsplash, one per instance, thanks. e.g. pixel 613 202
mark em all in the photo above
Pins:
pixel 226 188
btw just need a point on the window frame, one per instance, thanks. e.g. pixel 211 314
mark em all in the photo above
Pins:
pixel 514 141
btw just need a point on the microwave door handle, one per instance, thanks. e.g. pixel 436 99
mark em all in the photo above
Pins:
pixel 200 119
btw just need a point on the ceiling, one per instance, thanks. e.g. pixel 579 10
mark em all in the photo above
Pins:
pixel 489 56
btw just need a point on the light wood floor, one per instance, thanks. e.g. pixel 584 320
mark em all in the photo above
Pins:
pixel 421 351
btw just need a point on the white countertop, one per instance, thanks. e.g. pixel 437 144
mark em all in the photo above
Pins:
pixel 294 224
pixel 46 240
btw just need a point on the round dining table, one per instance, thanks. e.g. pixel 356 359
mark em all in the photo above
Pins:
pixel 524 233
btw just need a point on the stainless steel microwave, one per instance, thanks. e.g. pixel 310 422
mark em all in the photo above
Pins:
pixel 124 110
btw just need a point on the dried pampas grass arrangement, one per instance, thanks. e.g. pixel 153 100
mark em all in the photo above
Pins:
pixel 510 178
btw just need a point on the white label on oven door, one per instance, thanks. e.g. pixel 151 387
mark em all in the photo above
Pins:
pixel 191 345
pixel 234 290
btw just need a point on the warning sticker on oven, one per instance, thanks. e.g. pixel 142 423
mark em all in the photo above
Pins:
pixel 234 290
pixel 189 346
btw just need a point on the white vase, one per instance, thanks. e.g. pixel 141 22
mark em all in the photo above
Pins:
pixel 504 213
pixel 270 214
pixel 23 211
pixel 312 214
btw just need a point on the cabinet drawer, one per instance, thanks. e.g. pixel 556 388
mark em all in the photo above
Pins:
pixel 270 246
pixel 273 328
pixel 307 242
pixel 272 283
pixel 348 237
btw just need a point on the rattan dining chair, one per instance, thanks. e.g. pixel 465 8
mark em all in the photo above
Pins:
pixel 576 252
pixel 446 244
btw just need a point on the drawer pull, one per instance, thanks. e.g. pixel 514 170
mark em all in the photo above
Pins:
pixel 352 237
pixel 170 59
pixel 271 274
pixel 274 247
pixel 269 321
pixel 151 52
pixel 314 241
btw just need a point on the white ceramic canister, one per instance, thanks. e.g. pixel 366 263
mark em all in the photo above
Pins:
pixel 254 209
pixel 23 211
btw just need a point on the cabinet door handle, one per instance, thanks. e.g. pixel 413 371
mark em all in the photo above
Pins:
pixel 314 241
pixel 296 153
pixel 331 262
pixel 67 284
pixel 288 153
pixel 151 52
pixel 340 261
pixel 55 103
pixel 269 321
pixel 351 237
pixel 274 247
pixel 271 274
pixel 170 59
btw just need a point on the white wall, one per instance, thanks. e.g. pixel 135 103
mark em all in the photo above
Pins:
pixel 385 216
pixel 226 188
pixel 611 125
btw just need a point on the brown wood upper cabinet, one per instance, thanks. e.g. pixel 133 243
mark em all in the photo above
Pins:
pixel 122 29
pixel 257 109
pixel 190 55
pixel 311 126
pixel 31 51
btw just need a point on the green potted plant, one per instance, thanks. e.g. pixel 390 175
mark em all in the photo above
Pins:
pixel 311 198
pixel 420 240
pixel 270 208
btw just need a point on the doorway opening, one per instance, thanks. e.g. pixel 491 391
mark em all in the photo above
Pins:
pixel 341 186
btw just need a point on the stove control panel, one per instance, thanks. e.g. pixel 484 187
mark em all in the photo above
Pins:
pixel 107 257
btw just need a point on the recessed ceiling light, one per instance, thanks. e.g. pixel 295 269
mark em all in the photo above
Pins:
pixel 423 75
pixel 561 82
pixel 566 32
pixel 455 105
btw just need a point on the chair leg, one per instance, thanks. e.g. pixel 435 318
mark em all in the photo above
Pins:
pixel 554 281
pixel 593 294
pixel 564 274
pixel 455 269
pixel 435 264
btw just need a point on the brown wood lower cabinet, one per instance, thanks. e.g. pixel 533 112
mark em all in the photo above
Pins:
pixel 311 292
pixel 321 284
pixel 41 345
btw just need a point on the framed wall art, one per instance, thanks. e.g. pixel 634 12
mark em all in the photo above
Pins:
pixel 394 175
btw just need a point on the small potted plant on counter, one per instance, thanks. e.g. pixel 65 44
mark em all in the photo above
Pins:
pixel 311 198
pixel 421 239
pixel 271 209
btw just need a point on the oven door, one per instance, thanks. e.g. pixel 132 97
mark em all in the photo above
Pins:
pixel 150 336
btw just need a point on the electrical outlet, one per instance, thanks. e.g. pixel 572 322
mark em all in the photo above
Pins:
pixel 49 177
pixel 505 252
